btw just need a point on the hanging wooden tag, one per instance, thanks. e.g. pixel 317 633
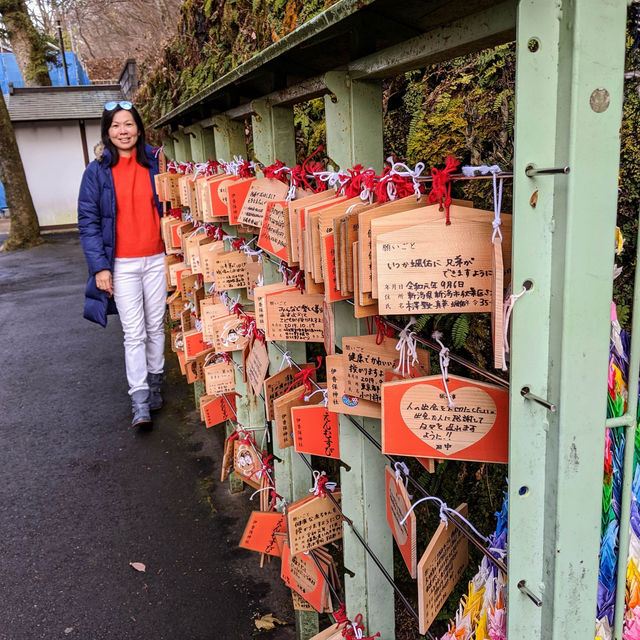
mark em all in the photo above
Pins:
pixel 439 570
pixel 254 276
pixel 329 327
pixel 208 251
pixel 299 572
pixel 367 363
pixel 236 194
pixel 261 192
pixel 194 344
pixel 226 334
pixel 175 268
pixel 338 398
pixel 230 270
pixel 220 378
pixel 189 284
pixel 175 304
pixel 497 301
pixel 454 277
pixel 218 410
pixel 283 423
pixel 295 317
pixel 402 220
pixel 260 300
pixel 191 249
pixel 227 457
pixel 398 505
pixel 316 431
pixel 273 233
pixel 295 206
pixel 217 195
pixel 313 522
pixel 209 314
pixel 417 419
pixel 334 632
pixel 257 366
pixel 260 532
pixel 276 386
pixel 247 463
pixel 360 310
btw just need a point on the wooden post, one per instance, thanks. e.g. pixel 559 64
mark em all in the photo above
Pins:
pixel 182 146
pixel 229 136
pixel 202 143
pixel 354 135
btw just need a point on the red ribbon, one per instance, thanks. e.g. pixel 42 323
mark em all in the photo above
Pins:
pixel 244 169
pixel 272 171
pixel 237 309
pixel 403 186
pixel 297 278
pixel 441 185
pixel 175 213
pixel 303 377
pixel 237 244
pixel 383 330
pixel 322 489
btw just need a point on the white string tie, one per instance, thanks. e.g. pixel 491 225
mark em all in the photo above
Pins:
pixel 408 173
pixel 198 325
pixel 158 151
pixel 286 360
pixel 260 282
pixel 281 504
pixel 229 238
pixel 407 349
pixel 494 169
pixel 257 491
pixel 324 392
pixel 334 179
pixel 401 468
pixel 330 486
pixel 444 366
pixel 506 315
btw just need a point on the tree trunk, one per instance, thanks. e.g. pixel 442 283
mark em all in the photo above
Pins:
pixel 24 231
pixel 27 44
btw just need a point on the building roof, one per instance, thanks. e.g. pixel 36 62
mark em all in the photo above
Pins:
pixel 60 103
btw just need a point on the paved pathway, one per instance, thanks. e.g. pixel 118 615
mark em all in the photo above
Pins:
pixel 82 495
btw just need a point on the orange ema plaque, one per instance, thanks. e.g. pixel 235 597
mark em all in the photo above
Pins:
pixel 418 421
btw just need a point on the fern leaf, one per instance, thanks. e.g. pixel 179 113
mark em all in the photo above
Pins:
pixel 460 331
pixel 421 322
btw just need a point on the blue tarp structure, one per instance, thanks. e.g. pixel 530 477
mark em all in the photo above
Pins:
pixel 9 72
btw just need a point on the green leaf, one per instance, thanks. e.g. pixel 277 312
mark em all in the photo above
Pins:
pixel 460 331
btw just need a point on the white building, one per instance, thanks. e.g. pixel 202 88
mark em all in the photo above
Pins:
pixel 56 129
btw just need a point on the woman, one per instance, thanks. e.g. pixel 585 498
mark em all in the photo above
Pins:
pixel 119 222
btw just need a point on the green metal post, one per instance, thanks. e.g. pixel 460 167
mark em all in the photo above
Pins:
pixel 273 137
pixel 229 136
pixel 202 144
pixel 169 150
pixel 568 109
pixel 354 135
pixel 182 146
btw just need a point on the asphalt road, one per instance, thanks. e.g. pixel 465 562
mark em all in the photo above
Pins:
pixel 82 495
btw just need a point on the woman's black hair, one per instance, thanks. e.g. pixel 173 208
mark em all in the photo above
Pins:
pixel 107 119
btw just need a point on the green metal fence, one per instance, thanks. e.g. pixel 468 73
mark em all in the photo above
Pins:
pixel 570 65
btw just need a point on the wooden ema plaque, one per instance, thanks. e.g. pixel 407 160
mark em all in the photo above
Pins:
pixel 315 431
pixel 210 312
pixel 276 386
pixel 226 336
pixel 273 233
pixel 254 275
pixel 219 378
pixel 417 419
pixel 435 268
pixel 334 632
pixel 217 410
pixel 257 366
pixel 360 310
pixel 230 270
pixel 260 300
pixel 208 251
pixel 247 463
pixel 295 317
pixel 367 362
pixel 194 344
pixel 439 570
pixel 398 505
pixel 260 532
pixel 283 421
pixel 295 207
pixel 300 573
pixel 338 398
pixel 313 522
pixel 236 194
pixel 261 192
pixel 433 213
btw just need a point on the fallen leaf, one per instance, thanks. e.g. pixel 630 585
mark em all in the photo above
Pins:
pixel 138 566
pixel 267 622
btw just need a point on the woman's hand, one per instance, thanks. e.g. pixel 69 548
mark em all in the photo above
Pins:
pixel 104 281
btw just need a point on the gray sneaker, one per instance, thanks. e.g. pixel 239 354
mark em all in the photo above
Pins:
pixel 155 390
pixel 140 409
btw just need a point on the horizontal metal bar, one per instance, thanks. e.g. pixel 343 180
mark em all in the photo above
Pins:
pixel 241 111
pixel 506 175
pixel 531 171
pixel 522 586
pixel 493 26
pixel 626 420
pixel 526 393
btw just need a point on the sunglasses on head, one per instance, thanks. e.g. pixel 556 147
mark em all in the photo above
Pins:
pixel 124 104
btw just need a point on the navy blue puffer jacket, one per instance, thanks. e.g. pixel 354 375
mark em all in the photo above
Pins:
pixel 97 225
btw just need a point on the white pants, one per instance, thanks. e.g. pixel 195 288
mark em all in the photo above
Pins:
pixel 139 291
